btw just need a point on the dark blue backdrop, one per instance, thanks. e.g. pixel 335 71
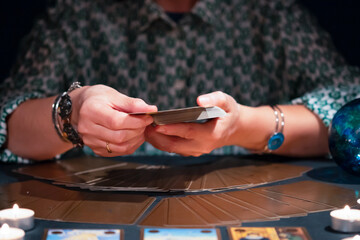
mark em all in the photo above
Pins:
pixel 340 18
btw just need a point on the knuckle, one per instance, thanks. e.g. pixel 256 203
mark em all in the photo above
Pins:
pixel 93 106
pixel 137 101
pixel 119 137
pixel 89 109
pixel 222 97
pixel 114 123
pixel 97 106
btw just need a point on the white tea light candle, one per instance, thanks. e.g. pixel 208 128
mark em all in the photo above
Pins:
pixel 8 233
pixel 356 237
pixel 18 217
pixel 345 220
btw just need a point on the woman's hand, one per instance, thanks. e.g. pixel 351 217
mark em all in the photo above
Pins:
pixel 100 114
pixel 248 127
pixel 195 139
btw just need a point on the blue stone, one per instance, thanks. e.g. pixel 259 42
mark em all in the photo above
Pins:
pixel 275 141
pixel 344 137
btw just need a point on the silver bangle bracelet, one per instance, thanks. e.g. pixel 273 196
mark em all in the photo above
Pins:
pixel 55 118
pixel 277 138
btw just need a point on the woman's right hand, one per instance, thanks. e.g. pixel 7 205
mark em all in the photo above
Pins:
pixel 100 114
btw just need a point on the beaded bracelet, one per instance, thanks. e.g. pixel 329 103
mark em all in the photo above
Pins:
pixel 61 113
pixel 277 138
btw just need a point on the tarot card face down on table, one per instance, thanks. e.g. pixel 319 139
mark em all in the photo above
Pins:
pixel 101 174
pixel 60 204
pixel 256 204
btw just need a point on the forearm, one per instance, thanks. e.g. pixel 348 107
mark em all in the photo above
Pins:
pixel 305 134
pixel 31 133
pixel 99 114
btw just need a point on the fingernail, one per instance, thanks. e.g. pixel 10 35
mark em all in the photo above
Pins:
pixel 152 108
pixel 203 99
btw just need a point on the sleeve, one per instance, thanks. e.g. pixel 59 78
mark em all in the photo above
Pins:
pixel 321 78
pixel 41 71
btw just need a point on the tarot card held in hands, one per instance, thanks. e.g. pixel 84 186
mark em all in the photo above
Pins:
pixel 191 114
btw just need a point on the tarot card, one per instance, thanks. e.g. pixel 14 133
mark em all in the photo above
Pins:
pixel 73 206
pixel 100 174
pixel 318 192
pixel 224 217
pixel 264 203
pixel 268 233
pixel 78 234
pixel 179 214
pixel 288 233
pixel 180 234
pixel 158 215
pixel 250 233
pixel 307 206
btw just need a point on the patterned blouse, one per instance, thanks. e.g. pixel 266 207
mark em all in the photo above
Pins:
pixel 258 51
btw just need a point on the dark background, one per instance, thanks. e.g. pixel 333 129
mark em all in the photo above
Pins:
pixel 340 18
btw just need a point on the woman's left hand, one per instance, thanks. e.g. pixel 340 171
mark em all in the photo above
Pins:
pixel 195 139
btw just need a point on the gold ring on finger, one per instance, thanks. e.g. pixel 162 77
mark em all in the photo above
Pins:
pixel 108 148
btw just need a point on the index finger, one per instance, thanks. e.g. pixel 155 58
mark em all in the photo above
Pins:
pixel 117 120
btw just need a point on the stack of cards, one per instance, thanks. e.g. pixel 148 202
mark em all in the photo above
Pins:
pixel 191 114
pixel 101 174
pixel 259 204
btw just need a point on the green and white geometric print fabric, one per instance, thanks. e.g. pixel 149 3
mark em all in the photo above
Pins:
pixel 258 51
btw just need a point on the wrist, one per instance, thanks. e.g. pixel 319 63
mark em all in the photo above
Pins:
pixel 76 98
pixel 277 137
pixel 62 110
pixel 257 127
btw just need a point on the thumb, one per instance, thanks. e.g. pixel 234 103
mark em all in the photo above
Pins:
pixel 218 99
pixel 141 106
pixel 132 105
